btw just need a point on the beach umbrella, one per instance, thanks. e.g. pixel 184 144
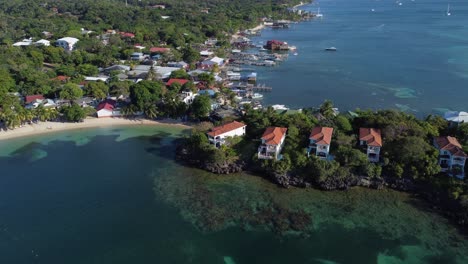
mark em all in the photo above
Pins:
pixel 456 117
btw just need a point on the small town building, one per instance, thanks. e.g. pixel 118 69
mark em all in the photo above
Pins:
pixel 179 81
pixel 276 45
pixel 126 35
pixel 30 98
pixel 67 43
pixel 272 143
pixel 178 64
pixel 320 140
pixel 371 140
pixel 159 50
pixel 217 136
pixel 137 56
pixel 107 108
pixel 187 97
pixel 451 156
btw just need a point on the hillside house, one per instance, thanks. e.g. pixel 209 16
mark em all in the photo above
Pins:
pixel 320 140
pixel 451 156
pixel 371 140
pixel 272 143
pixel 217 136
pixel 67 43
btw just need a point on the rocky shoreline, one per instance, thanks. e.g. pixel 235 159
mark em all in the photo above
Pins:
pixel 436 200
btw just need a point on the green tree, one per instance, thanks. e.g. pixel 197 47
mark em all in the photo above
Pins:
pixel 88 70
pixel 201 106
pixel 97 89
pixel 71 91
pixel 179 74
pixel 74 113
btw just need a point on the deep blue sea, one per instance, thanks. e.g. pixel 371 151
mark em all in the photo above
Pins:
pixel 411 57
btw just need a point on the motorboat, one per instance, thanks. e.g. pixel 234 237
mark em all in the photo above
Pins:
pixel 331 49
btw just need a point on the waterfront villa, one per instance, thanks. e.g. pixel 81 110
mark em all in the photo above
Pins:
pixel 217 136
pixel 272 143
pixel 371 139
pixel 106 108
pixel 451 156
pixel 320 139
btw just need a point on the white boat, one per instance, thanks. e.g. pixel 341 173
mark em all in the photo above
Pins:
pixel 279 107
pixel 448 10
pixel 262 48
pixel 373 10
pixel 295 54
pixel 331 49
pixel 257 96
pixel 400 4
pixel 292 48
pixel 318 14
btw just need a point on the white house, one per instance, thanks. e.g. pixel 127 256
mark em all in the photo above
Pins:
pixel 371 138
pixel 272 143
pixel 106 108
pixel 67 43
pixel 320 139
pixel 218 135
pixel 137 56
pixel 451 156
pixel 187 97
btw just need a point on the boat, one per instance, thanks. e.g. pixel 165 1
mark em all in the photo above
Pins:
pixel 257 96
pixel 331 49
pixel 448 10
pixel 292 48
pixel 295 54
pixel 373 10
pixel 262 48
pixel 400 4
pixel 318 14
pixel 279 107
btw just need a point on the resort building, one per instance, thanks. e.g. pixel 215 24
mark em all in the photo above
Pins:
pixel 371 139
pixel 320 139
pixel 272 143
pixel 451 156
pixel 217 136
pixel 67 43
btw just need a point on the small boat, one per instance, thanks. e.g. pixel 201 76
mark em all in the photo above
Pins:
pixel 331 49
pixel 318 14
pixel 262 49
pixel 373 10
pixel 448 10
pixel 257 96
pixel 400 4
pixel 279 107
pixel 292 48
pixel 295 54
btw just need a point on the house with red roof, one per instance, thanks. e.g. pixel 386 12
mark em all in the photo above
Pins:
pixel 179 81
pixel 126 35
pixel 320 140
pixel 272 143
pixel 159 50
pixel 217 135
pixel 107 108
pixel 371 139
pixel 61 78
pixel 31 98
pixel 451 156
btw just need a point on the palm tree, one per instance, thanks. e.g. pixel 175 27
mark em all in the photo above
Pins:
pixel 150 111
pixel 326 109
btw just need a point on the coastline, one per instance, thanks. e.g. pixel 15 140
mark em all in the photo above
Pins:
pixel 50 127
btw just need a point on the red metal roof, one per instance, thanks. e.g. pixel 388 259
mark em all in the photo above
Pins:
pixel 127 34
pixel 61 78
pixel 180 81
pixel 216 131
pixel 322 135
pixel 451 144
pixel 159 49
pixel 371 135
pixel 31 98
pixel 273 135
pixel 106 104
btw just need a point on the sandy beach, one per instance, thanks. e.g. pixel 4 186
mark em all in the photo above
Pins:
pixel 48 127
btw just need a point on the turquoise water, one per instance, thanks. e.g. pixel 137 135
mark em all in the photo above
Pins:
pixel 115 195
pixel 411 57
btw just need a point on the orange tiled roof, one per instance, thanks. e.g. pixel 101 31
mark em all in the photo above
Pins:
pixel 451 144
pixel 322 135
pixel 371 135
pixel 273 135
pixel 216 131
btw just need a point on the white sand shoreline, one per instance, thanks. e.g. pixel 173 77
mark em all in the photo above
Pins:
pixel 50 127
